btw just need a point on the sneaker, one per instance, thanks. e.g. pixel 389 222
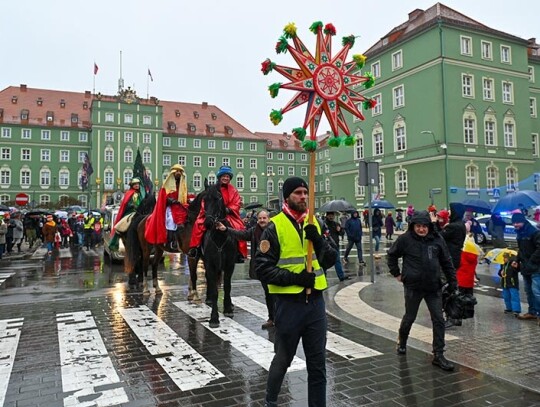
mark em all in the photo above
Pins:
pixel 516 314
pixel 527 316
pixel 268 324
pixel 448 323
pixel 345 278
pixel 507 311
pixel 440 361
pixel 362 263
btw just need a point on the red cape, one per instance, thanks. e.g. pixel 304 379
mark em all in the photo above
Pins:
pixel 155 231
pixel 127 197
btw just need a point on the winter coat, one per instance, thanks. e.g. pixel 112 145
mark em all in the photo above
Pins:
pixel 49 230
pixel 376 223
pixel 389 224
pixel 528 240
pixel 353 228
pixel 3 231
pixel 253 234
pixel 18 229
pixel 454 233
pixel 423 258
pixel 467 267
pixel 509 275
pixel 332 225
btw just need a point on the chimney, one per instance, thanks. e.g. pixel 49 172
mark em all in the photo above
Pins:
pixel 204 105
pixel 23 87
pixel 415 13
pixel 87 94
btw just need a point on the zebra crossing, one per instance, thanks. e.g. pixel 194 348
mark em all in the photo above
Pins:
pixel 88 367
pixel 5 276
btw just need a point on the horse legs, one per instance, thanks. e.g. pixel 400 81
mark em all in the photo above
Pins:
pixel 158 254
pixel 228 307
pixel 193 295
pixel 212 296
pixel 145 263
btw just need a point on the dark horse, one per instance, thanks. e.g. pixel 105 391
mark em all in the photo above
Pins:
pixel 219 253
pixel 139 251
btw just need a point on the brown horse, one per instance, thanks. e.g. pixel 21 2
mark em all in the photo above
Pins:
pixel 139 251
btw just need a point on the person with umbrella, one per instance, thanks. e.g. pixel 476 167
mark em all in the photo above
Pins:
pixel 495 227
pixel 353 228
pixel 528 240
pixel 335 232
pixel 376 225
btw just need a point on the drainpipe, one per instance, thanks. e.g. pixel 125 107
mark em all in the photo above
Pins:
pixel 445 119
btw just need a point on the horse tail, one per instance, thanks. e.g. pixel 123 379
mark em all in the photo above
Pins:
pixel 132 243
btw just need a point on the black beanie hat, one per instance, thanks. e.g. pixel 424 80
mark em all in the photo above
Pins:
pixel 291 184
pixel 519 218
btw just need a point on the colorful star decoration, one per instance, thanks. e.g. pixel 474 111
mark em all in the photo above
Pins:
pixel 324 82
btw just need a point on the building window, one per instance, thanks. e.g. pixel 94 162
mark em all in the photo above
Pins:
pixel 270 186
pixel 108 179
pixel 166 159
pixel 253 182
pixel 304 171
pixel 83 137
pixel 128 175
pixel 25 154
pixel 109 136
pixel 182 142
pixel 378 145
pixel 534 144
pixel 290 170
pixel 381 184
pixel 128 137
pixel 239 163
pixel 530 69
pixel 240 181
pixel 128 118
pixel 26 134
pixel 196 161
pixel 466 46
pixel 253 163
pixel 166 141
pixel 211 178
pixel 45 178
pixel 507 92
pixel 239 146
pixel 25 178
pixel 506 54
pixel 6 153
pixel 147 157
pixel 469 131
pixel 6 132
pixel 290 156
pixel 397 60
pixel 63 178
pixel 280 170
pixel 64 136
pixel 147 120
pixel 211 162
pixel 225 145
pixel 467 86
pixel 490 133
pixel 269 155
pixel 226 161
pixel 402 185
pixel 5 176
pixel 280 156
pixel 378 107
pixel 471 177
pixel 211 144
pixel 45 155
pixel 303 157
pixel 400 138
pixel 511 179
pixel 509 135
pixel 196 143
pixel 109 155
pixel 81 156
pixel 252 146
pixel 64 156
pixel 147 138
pixel 492 177
pixel 45 134
pixel 109 117
pixel 399 96
pixel 487 50
pixel 532 106
pixel 197 181
pixel 182 160
pixel 359 146
pixel 487 87
pixel 128 155
pixel 376 69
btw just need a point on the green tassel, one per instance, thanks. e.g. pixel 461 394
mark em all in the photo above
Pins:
pixel 299 133
pixel 309 145
pixel 334 141
pixel 348 40
pixel 349 141
pixel 276 117
pixel 371 80
pixel 315 27
pixel 274 89
pixel 282 44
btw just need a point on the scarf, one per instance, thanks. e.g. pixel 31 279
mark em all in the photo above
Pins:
pixel 297 216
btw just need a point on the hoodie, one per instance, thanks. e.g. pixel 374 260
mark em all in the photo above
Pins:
pixel 454 233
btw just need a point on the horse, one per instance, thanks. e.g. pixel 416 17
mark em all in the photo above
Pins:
pixel 219 253
pixel 139 250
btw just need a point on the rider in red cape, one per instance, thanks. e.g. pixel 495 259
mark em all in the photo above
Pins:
pixel 231 199
pixel 129 202
pixel 173 194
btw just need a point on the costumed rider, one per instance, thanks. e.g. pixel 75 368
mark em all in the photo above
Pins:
pixel 131 201
pixel 171 210
pixel 232 201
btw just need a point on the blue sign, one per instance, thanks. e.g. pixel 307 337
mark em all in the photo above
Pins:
pixel 496 193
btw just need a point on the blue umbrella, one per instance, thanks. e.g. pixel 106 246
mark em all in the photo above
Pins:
pixel 380 203
pixel 477 205
pixel 516 200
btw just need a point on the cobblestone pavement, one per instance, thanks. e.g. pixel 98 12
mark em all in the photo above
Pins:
pixel 70 334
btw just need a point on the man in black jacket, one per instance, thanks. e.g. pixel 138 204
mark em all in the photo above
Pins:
pixel 424 254
pixel 281 262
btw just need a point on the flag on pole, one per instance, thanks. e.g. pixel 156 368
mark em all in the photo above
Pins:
pixel 96 68
pixel 150 75
pixel 87 171
pixel 139 171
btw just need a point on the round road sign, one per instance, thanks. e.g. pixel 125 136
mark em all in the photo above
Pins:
pixel 21 199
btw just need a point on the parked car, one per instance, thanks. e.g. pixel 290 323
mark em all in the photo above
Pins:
pixel 509 231
pixel 108 221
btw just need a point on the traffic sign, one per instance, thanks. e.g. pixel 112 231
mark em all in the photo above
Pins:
pixel 496 193
pixel 21 199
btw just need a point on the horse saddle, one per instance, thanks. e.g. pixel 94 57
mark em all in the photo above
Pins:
pixel 123 224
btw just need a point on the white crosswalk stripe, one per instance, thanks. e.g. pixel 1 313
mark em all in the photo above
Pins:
pixel 258 349
pixel 188 369
pixel 5 276
pixel 334 343
pixel 10 333
pixel 85 363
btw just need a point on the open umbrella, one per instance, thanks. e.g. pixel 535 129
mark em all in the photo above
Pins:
pixel 380 203
pixel 516 199
pixel 477 205
pixel 4 208
pixel 253 205
pixel 337 205
pixel 497 255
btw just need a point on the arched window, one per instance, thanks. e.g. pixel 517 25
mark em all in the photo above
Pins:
pixel 108 181
pixel 471 177
pixel 109 154
pixel 63 178
pixel 492 177
pixel 401 181
pixel 511 178
pixel 359 146
pixel 5 176
pixel 253 182
pixel 240 181
pixel 45 178
pixel 128 155
pixel 128 175
pixel 25 177
pixel 197 185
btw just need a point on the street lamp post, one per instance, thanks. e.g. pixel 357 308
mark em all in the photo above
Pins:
pixel 444 147
pixel 268 175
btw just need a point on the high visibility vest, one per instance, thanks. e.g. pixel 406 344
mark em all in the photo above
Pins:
pixel 89 223
pixel 293 255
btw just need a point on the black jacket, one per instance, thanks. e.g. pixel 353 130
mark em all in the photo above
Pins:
pixel 454 234
pixel 248 235
pixel 266 263
pixel 528 240
pixel 423 259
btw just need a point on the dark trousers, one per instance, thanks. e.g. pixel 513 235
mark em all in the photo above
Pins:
pixel 297 319
pixel 350 244
pixel 433 301
pixel 269 301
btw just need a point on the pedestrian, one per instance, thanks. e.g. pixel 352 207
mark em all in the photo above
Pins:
pixel 424 254
pixel 353 228
pixel 281 262
pixel 3 231
pixel 30 226
pixel 443 217
pixel 476 228
pixel 65 232
pixel 528 240
pixel 49 232
pixel 89 221
pixel 510 285
pixel 536 215
pixel 18 231
pixel 9 234
pixel 253 234
pixel 376 225
pixel 335 232
pixel 495 226
pixel 389 225
pixel 410 212
pixel 399 220
pixel 72 221
pixel 454 233
pixel 78 231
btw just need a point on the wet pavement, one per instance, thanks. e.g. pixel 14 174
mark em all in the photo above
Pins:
pixel 71 334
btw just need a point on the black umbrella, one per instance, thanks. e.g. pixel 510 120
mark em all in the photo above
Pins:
pixel 4 207
pixel 516 200
pixel 477 205
pixel 380 203
pixel 337 205
pixel 253 205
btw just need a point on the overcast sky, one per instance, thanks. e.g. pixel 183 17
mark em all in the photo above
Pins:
pixel 202 50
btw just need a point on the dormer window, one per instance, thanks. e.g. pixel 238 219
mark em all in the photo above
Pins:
pixel 228 130
pixel 24 114
pixel 171 126
pixel 50 116
pixel 191 127
pixel 214 116
pixel 196 114
pixel 74 118
pixel 177 113
pixel 62 103
pixel 85 105
pixel 14 100
pixel 1 113
pixel 210 129
pixel 39 101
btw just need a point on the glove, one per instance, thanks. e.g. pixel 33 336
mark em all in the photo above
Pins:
pixel 171 201
pixel 312 233
pixel 304 279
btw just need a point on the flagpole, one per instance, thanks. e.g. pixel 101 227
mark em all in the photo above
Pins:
pixel 94 79
pixel 148 83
